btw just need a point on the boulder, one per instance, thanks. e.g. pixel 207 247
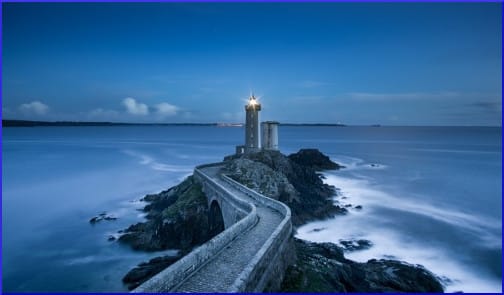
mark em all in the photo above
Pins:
pixel 354 245
pixel 322 267
pixel 314 159
pixel 102 216
pixel 146 270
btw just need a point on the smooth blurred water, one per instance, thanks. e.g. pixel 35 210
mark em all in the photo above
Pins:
pixel 434 196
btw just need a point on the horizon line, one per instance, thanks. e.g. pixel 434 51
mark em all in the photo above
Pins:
pixel 36 123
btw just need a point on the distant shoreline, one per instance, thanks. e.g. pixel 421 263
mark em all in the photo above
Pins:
pixel 29 123
pixel 26 123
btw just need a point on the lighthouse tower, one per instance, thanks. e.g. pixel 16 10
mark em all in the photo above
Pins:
pixel 252 125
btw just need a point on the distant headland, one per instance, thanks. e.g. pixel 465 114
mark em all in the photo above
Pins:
pixel 30 123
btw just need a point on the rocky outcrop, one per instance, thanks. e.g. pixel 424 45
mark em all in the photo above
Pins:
pixel 355 245
pixel 176 219
pixel 314 159
pixel 279 177
pixel 263 179
pixel 322 267
pixel 146 270
pixel 102 216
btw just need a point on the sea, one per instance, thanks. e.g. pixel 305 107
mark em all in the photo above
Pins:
pixel 429 195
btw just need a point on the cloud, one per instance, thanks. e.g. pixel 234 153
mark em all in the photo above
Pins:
pixel 166 110
pixel 134 107
pixel 406 95
pixel 34 108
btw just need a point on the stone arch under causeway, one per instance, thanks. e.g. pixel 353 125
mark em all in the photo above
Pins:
pixel 215 218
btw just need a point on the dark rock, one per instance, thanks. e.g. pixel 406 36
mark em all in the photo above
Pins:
pixel 146 270
pixel 279 177
pixel 100 217
pixel 318 229
pixel 340 210
pixel 323 268
pixel 314 159
pixel 354 245
pixel 177 219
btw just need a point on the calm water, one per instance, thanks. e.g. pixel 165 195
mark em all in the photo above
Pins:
pixel 433 197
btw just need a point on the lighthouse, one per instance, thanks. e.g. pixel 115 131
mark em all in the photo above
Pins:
pixel 252 125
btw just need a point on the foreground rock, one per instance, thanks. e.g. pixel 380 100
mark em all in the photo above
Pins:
pixel 176 219
pixel 322 267
pixel 100 217
pixel 292 180
pixel 146 270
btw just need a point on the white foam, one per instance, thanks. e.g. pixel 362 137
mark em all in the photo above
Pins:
pixel 85 260
pixel 359 191
pixel 386 243
pixel 353 163
pixel 350 163
pixel 169 168
pixel 148 160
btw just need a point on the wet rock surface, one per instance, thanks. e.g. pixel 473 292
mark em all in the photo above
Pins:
pixel 322 267
pixel 297 185
pixel 176 219
pixel 355 245
pixel 101 217
pixel 146 270
pixel 314 159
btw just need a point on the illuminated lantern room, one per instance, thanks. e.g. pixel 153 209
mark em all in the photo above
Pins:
pixel 252 125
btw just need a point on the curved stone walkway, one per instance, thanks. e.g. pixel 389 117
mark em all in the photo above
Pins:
pixel 220 273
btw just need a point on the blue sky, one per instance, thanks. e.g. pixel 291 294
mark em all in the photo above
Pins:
pixel 354 63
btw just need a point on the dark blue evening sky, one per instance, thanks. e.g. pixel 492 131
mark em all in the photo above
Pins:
pixel 355 63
